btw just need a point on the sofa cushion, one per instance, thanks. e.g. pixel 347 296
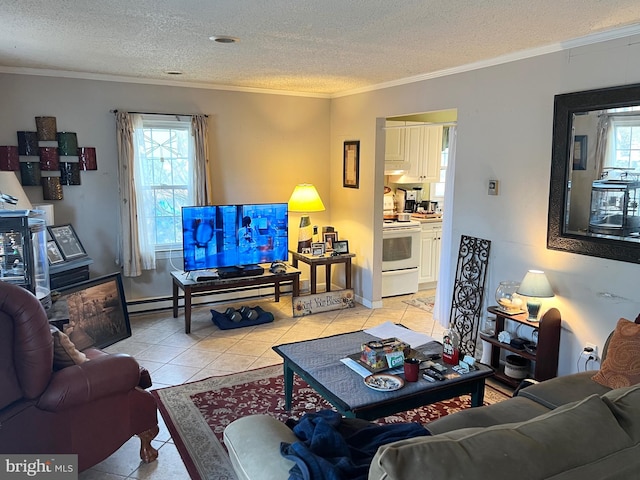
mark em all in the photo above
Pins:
pixel 621 368
pixel 528 449
pixel 517 409
pixel 625 405
pixel 65 353
pixel 559 391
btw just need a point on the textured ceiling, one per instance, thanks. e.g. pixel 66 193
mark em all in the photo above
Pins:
pixel 308 46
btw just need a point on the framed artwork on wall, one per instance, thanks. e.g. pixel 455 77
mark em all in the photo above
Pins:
pixel 580 152
pixel 351 159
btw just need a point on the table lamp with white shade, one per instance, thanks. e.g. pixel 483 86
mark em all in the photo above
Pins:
pixel 305 199
pixel 12 195
pixel 534 286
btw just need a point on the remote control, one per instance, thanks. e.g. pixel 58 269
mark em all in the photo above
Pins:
pixel 434 373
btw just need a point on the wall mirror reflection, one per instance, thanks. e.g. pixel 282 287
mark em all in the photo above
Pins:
pixel 594 202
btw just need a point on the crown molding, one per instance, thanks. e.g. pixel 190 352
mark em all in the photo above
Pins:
pixel 511 57
pixel 149 81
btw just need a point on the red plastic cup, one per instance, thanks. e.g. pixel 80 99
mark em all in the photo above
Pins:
pixel 411 369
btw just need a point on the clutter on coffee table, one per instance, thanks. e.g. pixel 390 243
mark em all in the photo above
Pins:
pixel 242 317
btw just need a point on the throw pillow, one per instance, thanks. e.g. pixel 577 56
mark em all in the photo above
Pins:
pixel 65 353
pixel 621 368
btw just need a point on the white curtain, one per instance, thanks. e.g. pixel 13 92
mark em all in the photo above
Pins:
pixel 602 143
pixel 129 255
pixel 442 306
pixel 201 179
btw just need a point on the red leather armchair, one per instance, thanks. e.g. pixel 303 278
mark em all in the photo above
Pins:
pixel 89 409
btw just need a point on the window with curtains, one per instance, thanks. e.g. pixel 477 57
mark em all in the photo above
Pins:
pixel 164 160
pixel 624 150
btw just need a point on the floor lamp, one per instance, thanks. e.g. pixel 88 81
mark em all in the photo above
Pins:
pixel 305 199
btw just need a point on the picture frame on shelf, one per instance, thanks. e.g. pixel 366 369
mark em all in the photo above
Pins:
pixel 318 248
pixel 98 315
pixel 351 164
pixel 341 246
pixel 329 239
pixel 67 240
pixel 53 253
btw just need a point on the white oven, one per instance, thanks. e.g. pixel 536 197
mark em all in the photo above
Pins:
pixel 400 257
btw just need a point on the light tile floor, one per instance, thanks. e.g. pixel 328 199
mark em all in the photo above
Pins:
pixel 159 343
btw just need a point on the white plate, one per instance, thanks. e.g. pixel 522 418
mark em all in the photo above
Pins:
pixel 383 382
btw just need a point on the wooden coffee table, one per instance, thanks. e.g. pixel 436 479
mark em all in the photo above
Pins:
pixel 318 363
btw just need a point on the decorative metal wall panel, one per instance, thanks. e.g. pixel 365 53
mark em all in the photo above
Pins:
pixel 46 127
pixel 30 173
pixel 69 173
pixel 468 291
pixel 67 144
pixel 28 144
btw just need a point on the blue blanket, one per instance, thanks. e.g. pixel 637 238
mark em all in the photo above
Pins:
pixel 324 453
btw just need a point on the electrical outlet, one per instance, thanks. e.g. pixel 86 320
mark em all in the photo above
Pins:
pixel 592 348
pixel 493 187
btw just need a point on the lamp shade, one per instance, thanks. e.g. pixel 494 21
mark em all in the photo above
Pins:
pixel 535 284
pixel 10 186
pixel 305 198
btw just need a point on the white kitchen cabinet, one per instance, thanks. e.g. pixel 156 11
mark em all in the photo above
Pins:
pixel 423 151
pixel 395 161
pixel 394 142
pixel 430 246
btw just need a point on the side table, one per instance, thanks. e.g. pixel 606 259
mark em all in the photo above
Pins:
pixel 327 261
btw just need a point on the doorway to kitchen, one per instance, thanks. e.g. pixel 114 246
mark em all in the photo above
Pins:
pixel 418 187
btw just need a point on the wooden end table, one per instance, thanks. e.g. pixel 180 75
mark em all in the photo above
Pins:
pixel 327 260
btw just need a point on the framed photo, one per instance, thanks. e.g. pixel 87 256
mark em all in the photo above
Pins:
pixel 317 248
pixel 67 241
pixel 329 238
pixel 98 315
pixel 53 253
pixel 580 152
pixel 341 246
pixel 351 173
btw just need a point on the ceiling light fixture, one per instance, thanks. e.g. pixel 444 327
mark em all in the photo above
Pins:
pixel 173 72
pixel 224 39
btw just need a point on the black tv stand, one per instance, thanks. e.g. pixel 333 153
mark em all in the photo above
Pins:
pixel 240 271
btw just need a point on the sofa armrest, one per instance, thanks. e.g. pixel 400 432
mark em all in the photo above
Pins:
pixel 253 443
pixel 97 378
pixel 527 382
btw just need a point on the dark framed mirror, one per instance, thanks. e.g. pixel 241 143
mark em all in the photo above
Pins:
pixel 595 174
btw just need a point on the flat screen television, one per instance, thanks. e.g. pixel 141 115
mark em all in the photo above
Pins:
pixel 216 236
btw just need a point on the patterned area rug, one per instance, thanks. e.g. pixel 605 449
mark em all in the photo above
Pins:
pixel 425 303
pixel 197 413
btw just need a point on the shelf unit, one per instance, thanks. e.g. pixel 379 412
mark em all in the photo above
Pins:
pixel 545 360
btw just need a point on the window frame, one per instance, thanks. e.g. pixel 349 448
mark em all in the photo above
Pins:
pixel 166 123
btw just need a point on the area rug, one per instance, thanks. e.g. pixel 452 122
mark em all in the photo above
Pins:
pixel 197 413
pixel 425 303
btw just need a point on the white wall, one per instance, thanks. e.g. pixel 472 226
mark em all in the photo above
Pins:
pixel 505 116
pixel 261 147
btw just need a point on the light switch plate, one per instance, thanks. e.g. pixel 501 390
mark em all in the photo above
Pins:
pixel 493 187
